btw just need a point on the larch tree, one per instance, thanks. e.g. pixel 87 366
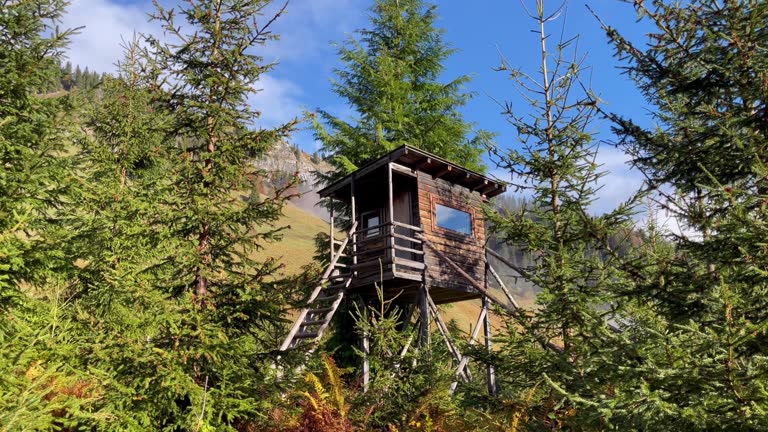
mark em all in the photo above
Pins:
pixel 391 80
pixel 564 351
pixel 205 76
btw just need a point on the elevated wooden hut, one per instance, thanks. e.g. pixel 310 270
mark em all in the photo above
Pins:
pixel 417 230
pixel 402 200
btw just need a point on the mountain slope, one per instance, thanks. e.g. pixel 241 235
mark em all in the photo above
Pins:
pixel 297 245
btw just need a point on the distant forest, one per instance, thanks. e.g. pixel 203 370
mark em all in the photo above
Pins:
pixel 64 77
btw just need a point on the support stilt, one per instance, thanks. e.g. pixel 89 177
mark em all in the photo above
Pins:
pixel 352 201
pixel 496 276
pixel 333 228
pixel 472 339
pixel 424 319
pixel 491 372
pixel 447 338
pixel 366 365
pixel 406 328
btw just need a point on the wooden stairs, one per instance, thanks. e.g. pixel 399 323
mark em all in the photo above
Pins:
pixel 322 304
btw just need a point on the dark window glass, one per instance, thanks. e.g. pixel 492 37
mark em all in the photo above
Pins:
pixel 453 219
pixel 371 219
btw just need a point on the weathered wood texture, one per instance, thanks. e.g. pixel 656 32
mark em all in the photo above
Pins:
pixel 468 251
pixel 392 253
pixel 408 160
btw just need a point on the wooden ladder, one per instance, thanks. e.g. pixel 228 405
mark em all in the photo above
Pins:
pixel 314 319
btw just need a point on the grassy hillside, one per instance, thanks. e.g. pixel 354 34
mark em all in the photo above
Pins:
pixel 298 245
pixel 465 313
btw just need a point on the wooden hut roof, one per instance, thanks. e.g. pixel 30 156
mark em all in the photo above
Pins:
pixel 415 159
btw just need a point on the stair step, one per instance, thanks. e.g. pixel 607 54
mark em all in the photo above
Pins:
pixel 338 283
pixel 304 335
pixel 312 323
pixel 329 294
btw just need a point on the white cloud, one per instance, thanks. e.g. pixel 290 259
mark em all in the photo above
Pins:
pixel 278 100
pixel 309 26
pixel 618 184
pixel 106 24
pixel 620 181
pixel 305 32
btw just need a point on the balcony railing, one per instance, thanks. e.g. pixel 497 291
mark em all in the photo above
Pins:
pixel 390 247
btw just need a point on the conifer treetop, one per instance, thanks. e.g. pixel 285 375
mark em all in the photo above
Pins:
pixel 391 79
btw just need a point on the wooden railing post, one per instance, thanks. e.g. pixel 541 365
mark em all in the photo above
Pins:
pixel 391 216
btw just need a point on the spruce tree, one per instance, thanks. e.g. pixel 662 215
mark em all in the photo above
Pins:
pixel 34 182
pixel 703 68
pixel 564 351
pixel 117 305
pixel 227 304
pixel 78 76
pixel 390 77
pixel 30 140
pixel 66 76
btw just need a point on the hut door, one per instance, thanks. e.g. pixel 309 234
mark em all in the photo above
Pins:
pixel 402 207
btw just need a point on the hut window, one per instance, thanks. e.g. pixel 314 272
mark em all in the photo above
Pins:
pixel 371 219
pixel 453 219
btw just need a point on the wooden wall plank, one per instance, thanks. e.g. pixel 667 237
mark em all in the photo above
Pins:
pixel 467 251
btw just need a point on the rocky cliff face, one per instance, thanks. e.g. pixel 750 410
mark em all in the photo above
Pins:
pixel 283 162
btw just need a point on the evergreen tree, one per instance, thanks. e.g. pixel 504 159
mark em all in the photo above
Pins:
pixel 30 139
pixel 66 76
pixel 563 352
pixel 703 357
pixel 123 164
pixel 390 78
pixel 78 75
pixel 227 305
pixel 35 385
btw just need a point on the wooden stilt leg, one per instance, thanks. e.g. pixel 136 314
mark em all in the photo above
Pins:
pixel 472 338
pixel 491 373
pixel 424 319
pixel 366 366
pixel 447 338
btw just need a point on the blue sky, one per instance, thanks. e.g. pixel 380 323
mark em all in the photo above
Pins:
pixel 479 30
